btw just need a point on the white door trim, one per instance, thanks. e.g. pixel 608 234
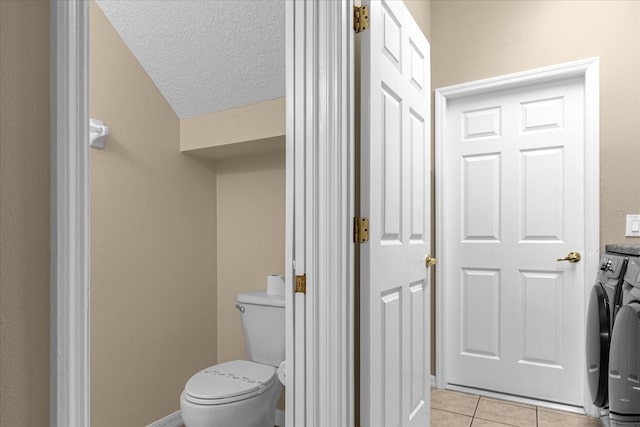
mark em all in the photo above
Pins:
pixel 320 176
pixel 589 70
pixel 69 215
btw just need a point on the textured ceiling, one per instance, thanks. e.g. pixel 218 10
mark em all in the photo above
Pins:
pixel 206 55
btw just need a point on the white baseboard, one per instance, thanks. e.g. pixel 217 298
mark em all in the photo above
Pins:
pixel 172 420
pixel 175 420
pixel 432 378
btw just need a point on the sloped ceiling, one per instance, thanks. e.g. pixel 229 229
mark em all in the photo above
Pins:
pixel 206 55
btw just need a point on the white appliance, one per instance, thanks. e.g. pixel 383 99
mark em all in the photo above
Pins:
pixel 242 393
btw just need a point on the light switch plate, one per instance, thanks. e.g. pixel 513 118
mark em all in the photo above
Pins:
pixel 633 226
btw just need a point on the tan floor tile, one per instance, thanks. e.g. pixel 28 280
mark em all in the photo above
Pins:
pixel 477 422
pixel 502 412
pixel 550 418
pixel 448 419
pixel 460 403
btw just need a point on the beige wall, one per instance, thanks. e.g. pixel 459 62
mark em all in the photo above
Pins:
pixel 478 39
pixel 24 213
pixel 236 127
pixel 421 12
pixel 153 245
pixel 243 131
pixel 251 237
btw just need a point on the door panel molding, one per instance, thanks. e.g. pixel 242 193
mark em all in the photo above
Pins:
pixel 395 190
pixel 588 71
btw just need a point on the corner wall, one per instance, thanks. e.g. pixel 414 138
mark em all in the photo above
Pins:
pixel 24 213
pixel 153 245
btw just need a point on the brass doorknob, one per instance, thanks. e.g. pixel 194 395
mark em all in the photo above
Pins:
pixel 571 257
pixel 429 261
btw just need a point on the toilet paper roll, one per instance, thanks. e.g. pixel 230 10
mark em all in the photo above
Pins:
pixel 275 284
pixel 282 373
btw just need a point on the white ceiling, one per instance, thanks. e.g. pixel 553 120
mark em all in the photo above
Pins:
pixel 206 55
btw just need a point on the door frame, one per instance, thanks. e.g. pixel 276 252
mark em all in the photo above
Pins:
pixel 70 328
pixel 319 175
pixel 588 70
pixel 320 178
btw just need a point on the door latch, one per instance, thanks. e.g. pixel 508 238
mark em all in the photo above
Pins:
pixel 430 261
pixel 571 257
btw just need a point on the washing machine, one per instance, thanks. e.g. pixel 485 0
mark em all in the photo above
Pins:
pixel 624 354
pixel 604 302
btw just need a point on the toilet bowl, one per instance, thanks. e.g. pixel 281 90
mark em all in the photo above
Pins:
pixel 242 393
pixel 237 393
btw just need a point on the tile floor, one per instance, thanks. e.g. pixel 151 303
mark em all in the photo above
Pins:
pixel 453 409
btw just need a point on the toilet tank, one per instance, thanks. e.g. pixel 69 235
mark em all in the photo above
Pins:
pixel 263 326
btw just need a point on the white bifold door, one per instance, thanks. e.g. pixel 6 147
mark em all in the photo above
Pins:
pixel 395 196
pixel 514 205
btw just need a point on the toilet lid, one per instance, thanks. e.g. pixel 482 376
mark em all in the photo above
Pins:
pixel 230 381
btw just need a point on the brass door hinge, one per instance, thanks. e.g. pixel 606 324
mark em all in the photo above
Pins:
pixel 360 230
pixel 301 283
pixel 360 18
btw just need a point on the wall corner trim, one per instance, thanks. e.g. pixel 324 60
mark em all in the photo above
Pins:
pixel 70 371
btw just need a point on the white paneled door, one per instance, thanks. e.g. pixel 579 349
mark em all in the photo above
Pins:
pixel 515 204
pixel 395 196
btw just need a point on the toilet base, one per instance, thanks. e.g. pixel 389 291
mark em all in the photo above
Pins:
pixel 256 411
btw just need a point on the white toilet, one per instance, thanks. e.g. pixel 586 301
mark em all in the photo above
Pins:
pixel 242 393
